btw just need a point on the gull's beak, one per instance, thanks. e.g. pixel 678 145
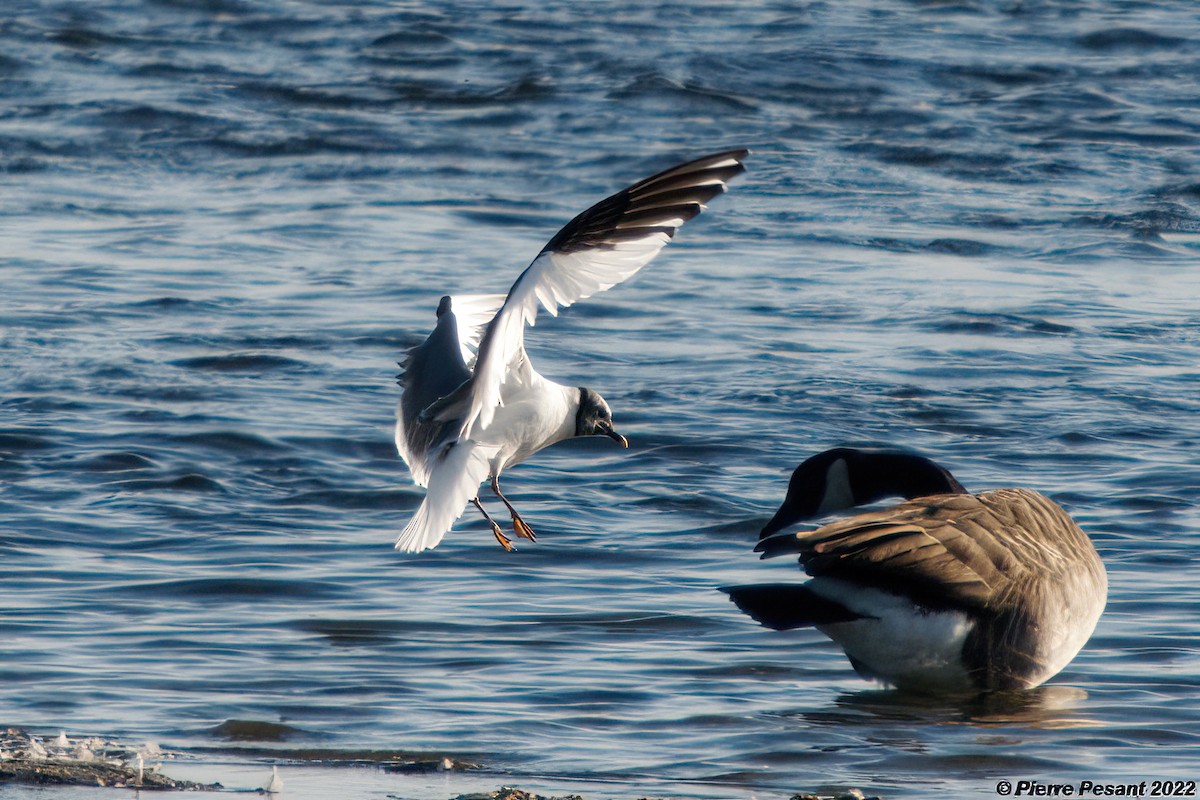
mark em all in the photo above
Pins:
pixel 608 431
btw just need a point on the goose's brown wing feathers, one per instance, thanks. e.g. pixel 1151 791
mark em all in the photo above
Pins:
pixel 957 550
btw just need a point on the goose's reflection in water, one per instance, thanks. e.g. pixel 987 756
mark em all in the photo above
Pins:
pixel 1047 707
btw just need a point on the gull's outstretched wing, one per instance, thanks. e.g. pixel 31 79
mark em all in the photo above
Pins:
pixel 474 312
pixel 598 249
pixel 434 369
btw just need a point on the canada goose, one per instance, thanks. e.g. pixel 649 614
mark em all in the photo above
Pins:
pixel 472 403
pixel 945 592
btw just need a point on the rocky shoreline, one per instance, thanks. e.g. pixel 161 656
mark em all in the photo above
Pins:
pixel 92 761
pixel 67 772
pixel 86 761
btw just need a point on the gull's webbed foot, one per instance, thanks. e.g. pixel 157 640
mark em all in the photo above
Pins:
pixel 520 526
pixel 504 541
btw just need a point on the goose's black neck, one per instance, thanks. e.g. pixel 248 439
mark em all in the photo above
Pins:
pixel 846 477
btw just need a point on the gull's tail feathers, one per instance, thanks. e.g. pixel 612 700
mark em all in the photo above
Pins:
pixel 453 481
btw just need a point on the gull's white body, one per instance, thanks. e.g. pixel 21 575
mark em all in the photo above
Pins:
pixel 537 416
pixel 473 404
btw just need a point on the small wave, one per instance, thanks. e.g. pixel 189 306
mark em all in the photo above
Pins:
pixel 999 325
pixel 659 88
pixel 281 341
pixel 79 38
pixel 625 623
pixel 1005 75
pixel 143 118
pixel 975 165
pixel 352 499
pixel 231 589
pixel 191 482
pixel 117 462
pixel 251 730
pixel 238 442
pixel 1164 217
pixel 423 37
pixel 530 88
pixel 163 303
pixel 1149 136
pixel 307 96
pixel 390 760
pixel 1188 191
pixel 236 8
pixel 23 165
pixel 14 442
pixel 354 632
pixel 960 247
pixel 241 362
pixel 285 145
pixel 1128 39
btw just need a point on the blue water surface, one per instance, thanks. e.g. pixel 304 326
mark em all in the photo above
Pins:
pixel 969 228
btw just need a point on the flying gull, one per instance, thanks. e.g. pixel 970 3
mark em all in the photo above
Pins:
pixel 472 403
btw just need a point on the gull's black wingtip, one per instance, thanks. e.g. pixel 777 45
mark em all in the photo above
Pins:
pixel 653 207
pixel 732 160
pixel 732 154
pixel 737 154
pixel 720 167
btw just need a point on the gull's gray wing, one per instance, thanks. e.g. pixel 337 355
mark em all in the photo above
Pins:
pixel 434 369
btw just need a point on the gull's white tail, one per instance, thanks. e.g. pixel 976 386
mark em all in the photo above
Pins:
pixel 453 481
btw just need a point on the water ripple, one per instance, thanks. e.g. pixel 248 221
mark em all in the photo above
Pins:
pixel 968 228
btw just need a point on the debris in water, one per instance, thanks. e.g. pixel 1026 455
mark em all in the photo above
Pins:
pixel 276 784
pixel 510 793
pixel 88 762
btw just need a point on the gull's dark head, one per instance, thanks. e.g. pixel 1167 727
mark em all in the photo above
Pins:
pixel 594 418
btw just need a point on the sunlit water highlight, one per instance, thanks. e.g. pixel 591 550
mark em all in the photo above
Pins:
pixel 968 228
